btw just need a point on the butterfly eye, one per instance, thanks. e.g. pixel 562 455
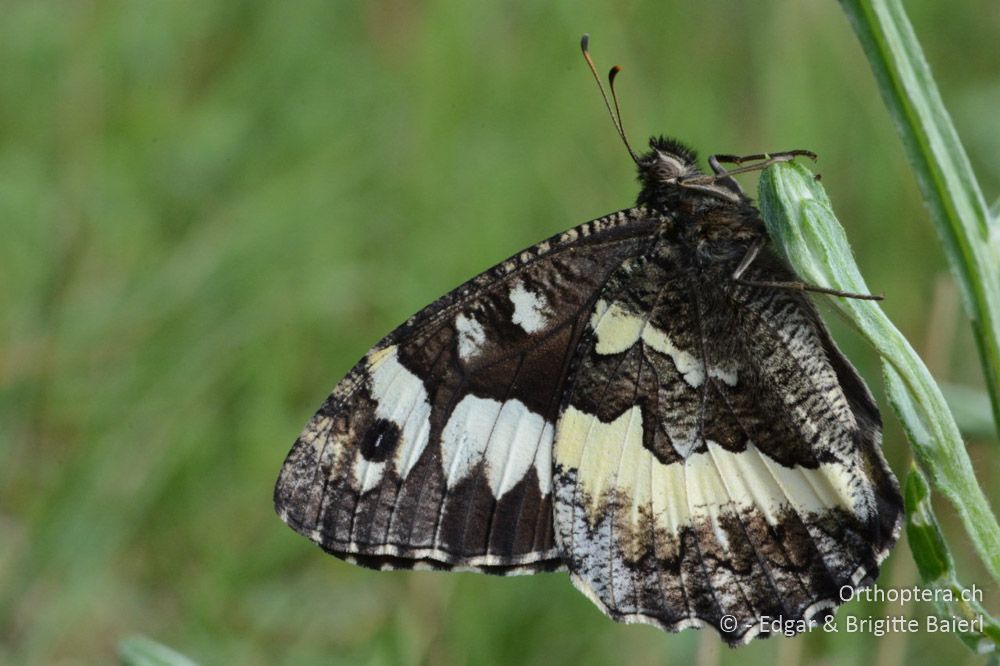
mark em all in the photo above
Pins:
pixel 668 163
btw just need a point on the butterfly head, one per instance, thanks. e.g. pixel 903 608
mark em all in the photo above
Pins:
pixel 670 170
pixel 666 161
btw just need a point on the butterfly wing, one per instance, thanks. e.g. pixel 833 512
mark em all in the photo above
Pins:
pixel 716 454
pixel 435 450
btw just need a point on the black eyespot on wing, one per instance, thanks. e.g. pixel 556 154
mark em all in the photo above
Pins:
pixel 688 448
pixel 379 441
pixel 436 447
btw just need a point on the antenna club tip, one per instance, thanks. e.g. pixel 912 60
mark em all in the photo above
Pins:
pixel 613 73
pixel 585 42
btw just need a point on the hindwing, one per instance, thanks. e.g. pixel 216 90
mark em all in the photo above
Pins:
pixel 716 454
pixel 435 450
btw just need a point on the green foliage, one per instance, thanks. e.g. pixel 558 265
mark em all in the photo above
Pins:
pixel 972 411
pixel 937 568
pixel 210 210
pixel 949 186
pixel 142 651
pixel 800 219
pixel 971 235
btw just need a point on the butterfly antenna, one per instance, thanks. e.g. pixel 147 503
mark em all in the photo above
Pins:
pixel 621 126
pixel 615 112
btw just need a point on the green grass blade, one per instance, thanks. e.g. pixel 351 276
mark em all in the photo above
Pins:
pixel 971 409
pixel 143 651
pixel 937 569
pixel 800 220
pixel 958 208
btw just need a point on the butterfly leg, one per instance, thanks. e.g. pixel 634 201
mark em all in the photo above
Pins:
pixel 720 173
pixel 752 253
pixel 716 161
pixel 765 160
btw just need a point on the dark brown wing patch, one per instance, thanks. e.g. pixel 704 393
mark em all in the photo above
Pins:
pixel 435 450
pixel 716 455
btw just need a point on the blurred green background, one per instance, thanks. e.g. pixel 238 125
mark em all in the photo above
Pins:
pixel 210 210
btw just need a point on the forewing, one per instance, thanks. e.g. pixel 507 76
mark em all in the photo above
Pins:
pixel 716 454
pixel 435 450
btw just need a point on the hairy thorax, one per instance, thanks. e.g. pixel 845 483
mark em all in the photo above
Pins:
pixel 713 234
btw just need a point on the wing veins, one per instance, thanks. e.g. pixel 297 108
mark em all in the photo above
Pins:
pixel 703 401
pixel 605 242
pixel 506 462
pixel 726 401
pixel 798 516
pixel 395 502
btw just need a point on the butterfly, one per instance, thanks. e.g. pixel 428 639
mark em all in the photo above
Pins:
pixel 649 401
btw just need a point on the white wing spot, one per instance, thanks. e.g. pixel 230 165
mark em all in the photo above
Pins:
pixel 692 368
pixel 617 330
pixel 717 479
pixel 529 308
pixel 507 436
pixel 471 336
pixel 402 399
pixel 729 376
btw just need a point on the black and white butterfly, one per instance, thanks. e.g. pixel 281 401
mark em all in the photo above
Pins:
pixel 649 401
